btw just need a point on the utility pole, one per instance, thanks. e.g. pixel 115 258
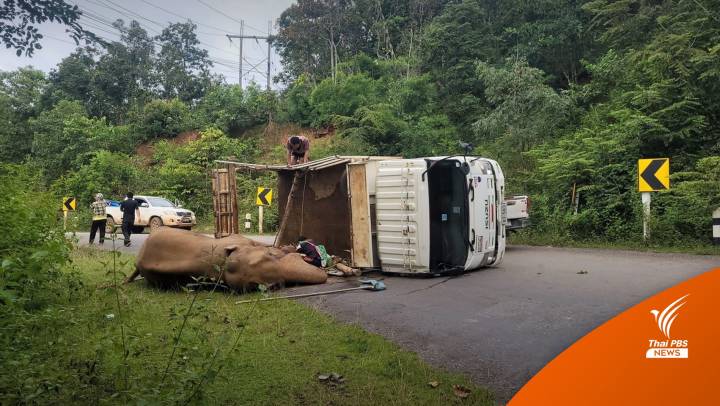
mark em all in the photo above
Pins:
pixel 242 27
pixel 267 38
pixel 268 57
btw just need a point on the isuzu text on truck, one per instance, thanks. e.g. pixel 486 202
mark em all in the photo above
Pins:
pixel 424 215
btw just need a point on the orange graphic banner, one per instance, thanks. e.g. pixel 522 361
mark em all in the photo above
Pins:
pixel 663 351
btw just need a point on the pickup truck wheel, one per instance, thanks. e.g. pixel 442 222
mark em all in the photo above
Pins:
pixel 155 223
pixel 110 225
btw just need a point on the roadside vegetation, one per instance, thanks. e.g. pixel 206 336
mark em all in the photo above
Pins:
pixel 71 333
pixel 167 347
pixel 566 95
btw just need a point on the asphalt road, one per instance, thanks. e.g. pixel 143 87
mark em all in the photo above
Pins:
pixel 502 325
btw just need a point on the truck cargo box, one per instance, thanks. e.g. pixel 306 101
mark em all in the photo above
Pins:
pixel 424 215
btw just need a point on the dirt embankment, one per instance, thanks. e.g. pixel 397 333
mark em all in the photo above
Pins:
pixel 146 150
pixel 272 136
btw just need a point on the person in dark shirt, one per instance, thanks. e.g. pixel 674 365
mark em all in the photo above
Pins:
pixel 298 150
pixel 129 207
pixel 309 251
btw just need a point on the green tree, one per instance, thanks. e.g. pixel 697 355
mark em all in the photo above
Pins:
pixel 18 19
pixel 432 135
pixel 109 173
pixel 60 138
pixel 33 247
pixel 523 111
pixel 73 79
pixel 296 106
pixel 164 118
pixel 234 110
pixel 20 100
pixel 182 66
pixel 342 97
pixel 377 125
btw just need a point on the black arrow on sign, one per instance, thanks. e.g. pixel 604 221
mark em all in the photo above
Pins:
pixel 648 174
pixel 262 196
pixel 68 203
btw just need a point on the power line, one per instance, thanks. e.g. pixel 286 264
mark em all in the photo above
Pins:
pixel 59 39
pixel 183 17
pixel 126 13
pixel 242 37
pixel 226 15
pixel 100 19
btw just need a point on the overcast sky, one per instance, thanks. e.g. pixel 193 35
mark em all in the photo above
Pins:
pixel 214 18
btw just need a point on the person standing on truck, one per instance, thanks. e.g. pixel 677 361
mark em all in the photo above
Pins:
pixel 99 219
pixel 298 149
pixel 129 207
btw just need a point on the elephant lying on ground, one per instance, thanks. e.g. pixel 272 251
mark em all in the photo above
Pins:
pixel 170 257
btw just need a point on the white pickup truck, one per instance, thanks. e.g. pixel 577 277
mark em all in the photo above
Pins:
pixel 154 212
pixel 517 212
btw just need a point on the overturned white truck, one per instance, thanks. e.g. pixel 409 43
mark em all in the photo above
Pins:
pixel 425 215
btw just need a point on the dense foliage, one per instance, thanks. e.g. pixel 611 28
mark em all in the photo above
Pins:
pixel 18 19
pixel 566 94
pixel 33 246
pixel 106 119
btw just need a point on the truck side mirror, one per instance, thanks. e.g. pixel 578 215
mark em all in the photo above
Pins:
pixel 144 205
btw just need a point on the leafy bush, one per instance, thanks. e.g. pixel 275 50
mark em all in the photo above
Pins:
pixel 342 97
pixel 296 106
pixel 112 174
pixel 378 126
pixel 185 182
pixel 233 109
pixel 164 118
pixel 183 171
pixel 684 214
pixel 60 136
pixel 430 136
pixel 33 247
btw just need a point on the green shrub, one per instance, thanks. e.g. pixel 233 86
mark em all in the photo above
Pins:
pixel 233 109
pixel 342 97
pixel 33 247
pixel 295 107
pixel 164 118
pixel 112 174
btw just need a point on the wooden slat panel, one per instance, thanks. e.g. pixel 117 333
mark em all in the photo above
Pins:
pixel 225 202
pixel 360 217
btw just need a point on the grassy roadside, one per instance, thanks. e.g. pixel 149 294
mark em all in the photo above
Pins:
pixel 86 351
pixel 542 240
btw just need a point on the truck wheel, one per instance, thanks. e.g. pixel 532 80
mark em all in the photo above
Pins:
pixel 110 225
pixel 155 223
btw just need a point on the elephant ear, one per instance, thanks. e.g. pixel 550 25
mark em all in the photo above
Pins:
pixel 229 249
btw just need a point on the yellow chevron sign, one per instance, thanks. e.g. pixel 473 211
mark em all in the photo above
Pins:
pixel 653 174
pixel 263 197
pixel 69 204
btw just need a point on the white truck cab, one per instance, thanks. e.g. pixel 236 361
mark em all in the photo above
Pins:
pixel 440 214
